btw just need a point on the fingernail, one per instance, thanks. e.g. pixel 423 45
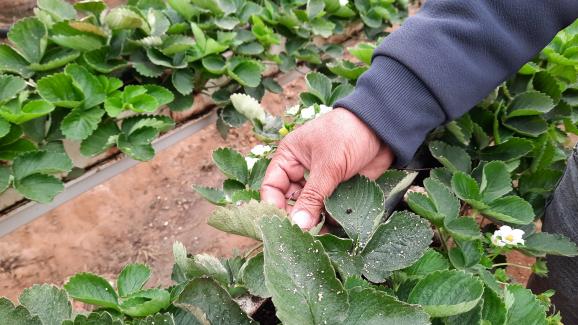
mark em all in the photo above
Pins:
pixel 302 218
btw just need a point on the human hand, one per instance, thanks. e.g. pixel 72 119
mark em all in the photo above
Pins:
pixel 333 148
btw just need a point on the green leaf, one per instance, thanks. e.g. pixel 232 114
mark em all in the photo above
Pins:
pixel 395 245
pixel 447 293
pixel 39 187
pixel 370 306
pixel 125 18
pixel 93 90
pixel 137 144
pixel 100 139
pixel 32 109
pixel 183 81
pixel 346 69
pixel 511 209
pixel 114 104
pixel 4 126
pixel 314 8
pixel 300 277
pixel 243 220
pixel 227 23
pixel 339 92
pixel 144 103
pixel 394 183
pixel 423 205
pixel 463 228
pixel 14 149
pixel 247 73
pixel 494 309
pixel 530 103
pixel 145 302
pixel 174 44
pixel 430 262
pixel 184 8
pixel 201 265
pixel 164 319
pixel 48 302
pixel 210 303
pixel 273 86
pixel 11 314
pixel 531 126
pixel 10 61
pixel 212 195
pixel 496 181
pixel 543 243
pixel 319 85
pixel 99 61
pixel 363 52
pixel 80 123
pixel 162 95
pixel 249 107
pixel 251 48
pixel 452 157
pixel 509 150
pixel 44 162
pixel 58 9
pixel 92 289
pixel 444 201
pixel 94 7
pixel 231 163
pixel 30 38
pixel 144 66
pixel 80 42
pixel 10 87
pixel 258 173
pixel 340 251
pixel 357 205
pixel 322 27
pixel 525 308
pixel 473 316
pixel 132 278
pixel 94 318
pixel 5 178
pixel 465 254
pixel 59 90
pixel 253 276
pixel 466 188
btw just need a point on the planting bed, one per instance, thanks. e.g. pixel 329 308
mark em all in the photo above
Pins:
pixel 134 217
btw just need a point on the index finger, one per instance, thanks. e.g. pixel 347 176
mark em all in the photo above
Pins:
pixel 282 171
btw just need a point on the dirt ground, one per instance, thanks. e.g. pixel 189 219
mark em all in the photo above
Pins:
pixel 133 217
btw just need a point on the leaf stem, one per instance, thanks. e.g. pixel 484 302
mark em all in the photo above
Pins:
pixel 443 239
pixel 512 264
pixel 252 250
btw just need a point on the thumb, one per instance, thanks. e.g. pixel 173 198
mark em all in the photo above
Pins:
pixel 308 207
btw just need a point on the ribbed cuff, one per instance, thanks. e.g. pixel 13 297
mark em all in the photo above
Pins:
pixel 396 105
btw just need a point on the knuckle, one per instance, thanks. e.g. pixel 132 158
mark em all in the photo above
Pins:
pixel 312 196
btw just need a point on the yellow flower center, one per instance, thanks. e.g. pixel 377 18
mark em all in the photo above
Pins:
pixel 509 238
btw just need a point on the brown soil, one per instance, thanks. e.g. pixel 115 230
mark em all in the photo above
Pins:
pixel 134 217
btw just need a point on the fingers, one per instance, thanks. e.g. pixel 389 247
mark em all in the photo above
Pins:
pixel 283 171
pixel 311 200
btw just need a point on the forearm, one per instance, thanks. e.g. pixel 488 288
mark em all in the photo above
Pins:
pixel 445 59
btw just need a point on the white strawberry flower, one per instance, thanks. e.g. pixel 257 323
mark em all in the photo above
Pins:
pixel 323 109
pixel 261 150
pixel 251 162
pixel 508 236
pixel 293 110
pixel 343 2
pixel 308 113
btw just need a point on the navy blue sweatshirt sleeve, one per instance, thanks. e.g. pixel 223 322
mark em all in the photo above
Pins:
pixel 445 59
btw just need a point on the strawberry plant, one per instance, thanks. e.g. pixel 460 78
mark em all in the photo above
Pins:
pixel 437 257
pixel 99 75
